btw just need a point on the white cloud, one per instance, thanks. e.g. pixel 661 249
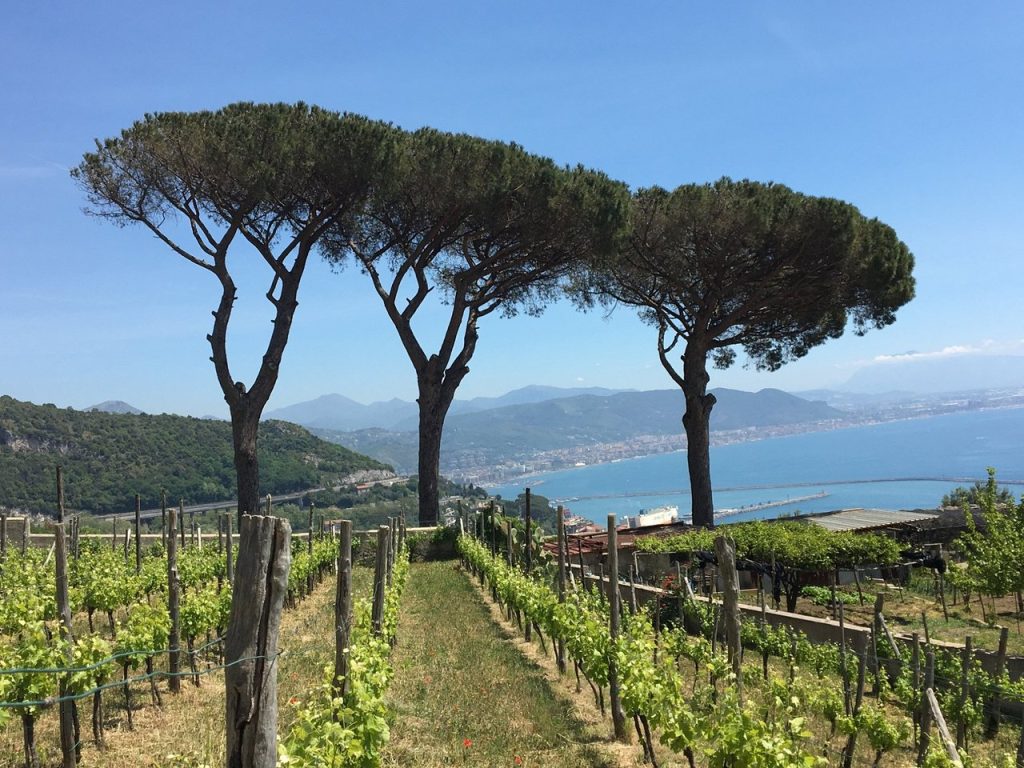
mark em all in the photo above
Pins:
pixel 988 346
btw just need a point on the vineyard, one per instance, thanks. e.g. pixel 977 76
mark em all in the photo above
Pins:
pixel 117 655
pixel 135 629
pixel 767 696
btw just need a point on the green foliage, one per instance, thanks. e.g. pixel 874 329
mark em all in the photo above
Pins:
pixel 333 731
pixel 976 495
pixel 106 457
pixel 794 545
pixel 823 596
pixel 995 557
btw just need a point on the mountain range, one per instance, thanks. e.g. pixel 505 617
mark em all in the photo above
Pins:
pixel 337 412
pixel 513 432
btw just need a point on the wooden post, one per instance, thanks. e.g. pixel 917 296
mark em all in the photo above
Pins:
pixel 993 702
pixel 3 536
pixel 389 562
pixel 138 531
pixel 618 716
pixel 843 672
pixel 113 534
pixel 250 645
pixel 528 545
pixel 528 556
pixel 220 532
pixel 270 506
pixel 343 610
pixel 230 543
pixel 181 521
pixel 725 551
pixel 561 582
pixel 940 724
pixel 380 579
pixel 876 628
pixel 173 604
pixel 965 687
pixel 915 667
pixel 309 537
pixel 927 637
pixel 67 708
pixel 163 519
pixel 926 711
pixel 632 589
pixel 494 532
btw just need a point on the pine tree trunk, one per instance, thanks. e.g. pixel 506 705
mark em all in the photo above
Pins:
pixel 436 392
pixel 696 422
pixel 244 425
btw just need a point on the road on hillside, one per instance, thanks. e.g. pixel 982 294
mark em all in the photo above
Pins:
pixel 229 504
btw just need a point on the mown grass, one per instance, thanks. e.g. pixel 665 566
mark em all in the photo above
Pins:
pixel 464 695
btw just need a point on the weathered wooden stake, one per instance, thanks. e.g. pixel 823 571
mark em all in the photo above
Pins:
pixel 173 604
pixel 343 610
pixel 560 653
pixel 940 724
pixel 67 714
pixel 138 532
pixel 618 715
pixel 965 687
pixel 163 519
pixel 725 551
pixel 250 646
pixel 926 711
pixel 181 522
pixel 380 579
pixel 3 536
pixel 230 543
pixel 992 705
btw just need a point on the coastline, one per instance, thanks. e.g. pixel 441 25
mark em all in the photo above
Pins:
pixel 753 435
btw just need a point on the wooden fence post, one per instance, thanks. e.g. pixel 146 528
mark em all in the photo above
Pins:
pixel 926 712
pixel 68 742
pixel 560 645
pixel 230 544
pixel 965 666
pixel 940 724
pixel 163 518
pixel 181 521
pixel 725 551
pixel 380 579
pixel 343 610
pixel 250 645
pixel 3 536
pixel 618 716
pixel 138 531
pixel 173 604
pixel 993 702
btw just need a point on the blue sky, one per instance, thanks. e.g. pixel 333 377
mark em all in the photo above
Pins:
pixel 912 111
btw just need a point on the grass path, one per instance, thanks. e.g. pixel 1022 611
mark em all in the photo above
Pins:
pixel 459 677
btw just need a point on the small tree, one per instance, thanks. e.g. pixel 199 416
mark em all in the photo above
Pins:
pixel 995 556
pixel 268 179
pixel 755 266
pixel 490 228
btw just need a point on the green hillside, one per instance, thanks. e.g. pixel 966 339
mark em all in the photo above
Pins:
pixel 108 458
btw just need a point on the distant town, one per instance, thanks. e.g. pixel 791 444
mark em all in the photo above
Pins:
pixel 464 470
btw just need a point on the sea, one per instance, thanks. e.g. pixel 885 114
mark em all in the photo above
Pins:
pixel 896 465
